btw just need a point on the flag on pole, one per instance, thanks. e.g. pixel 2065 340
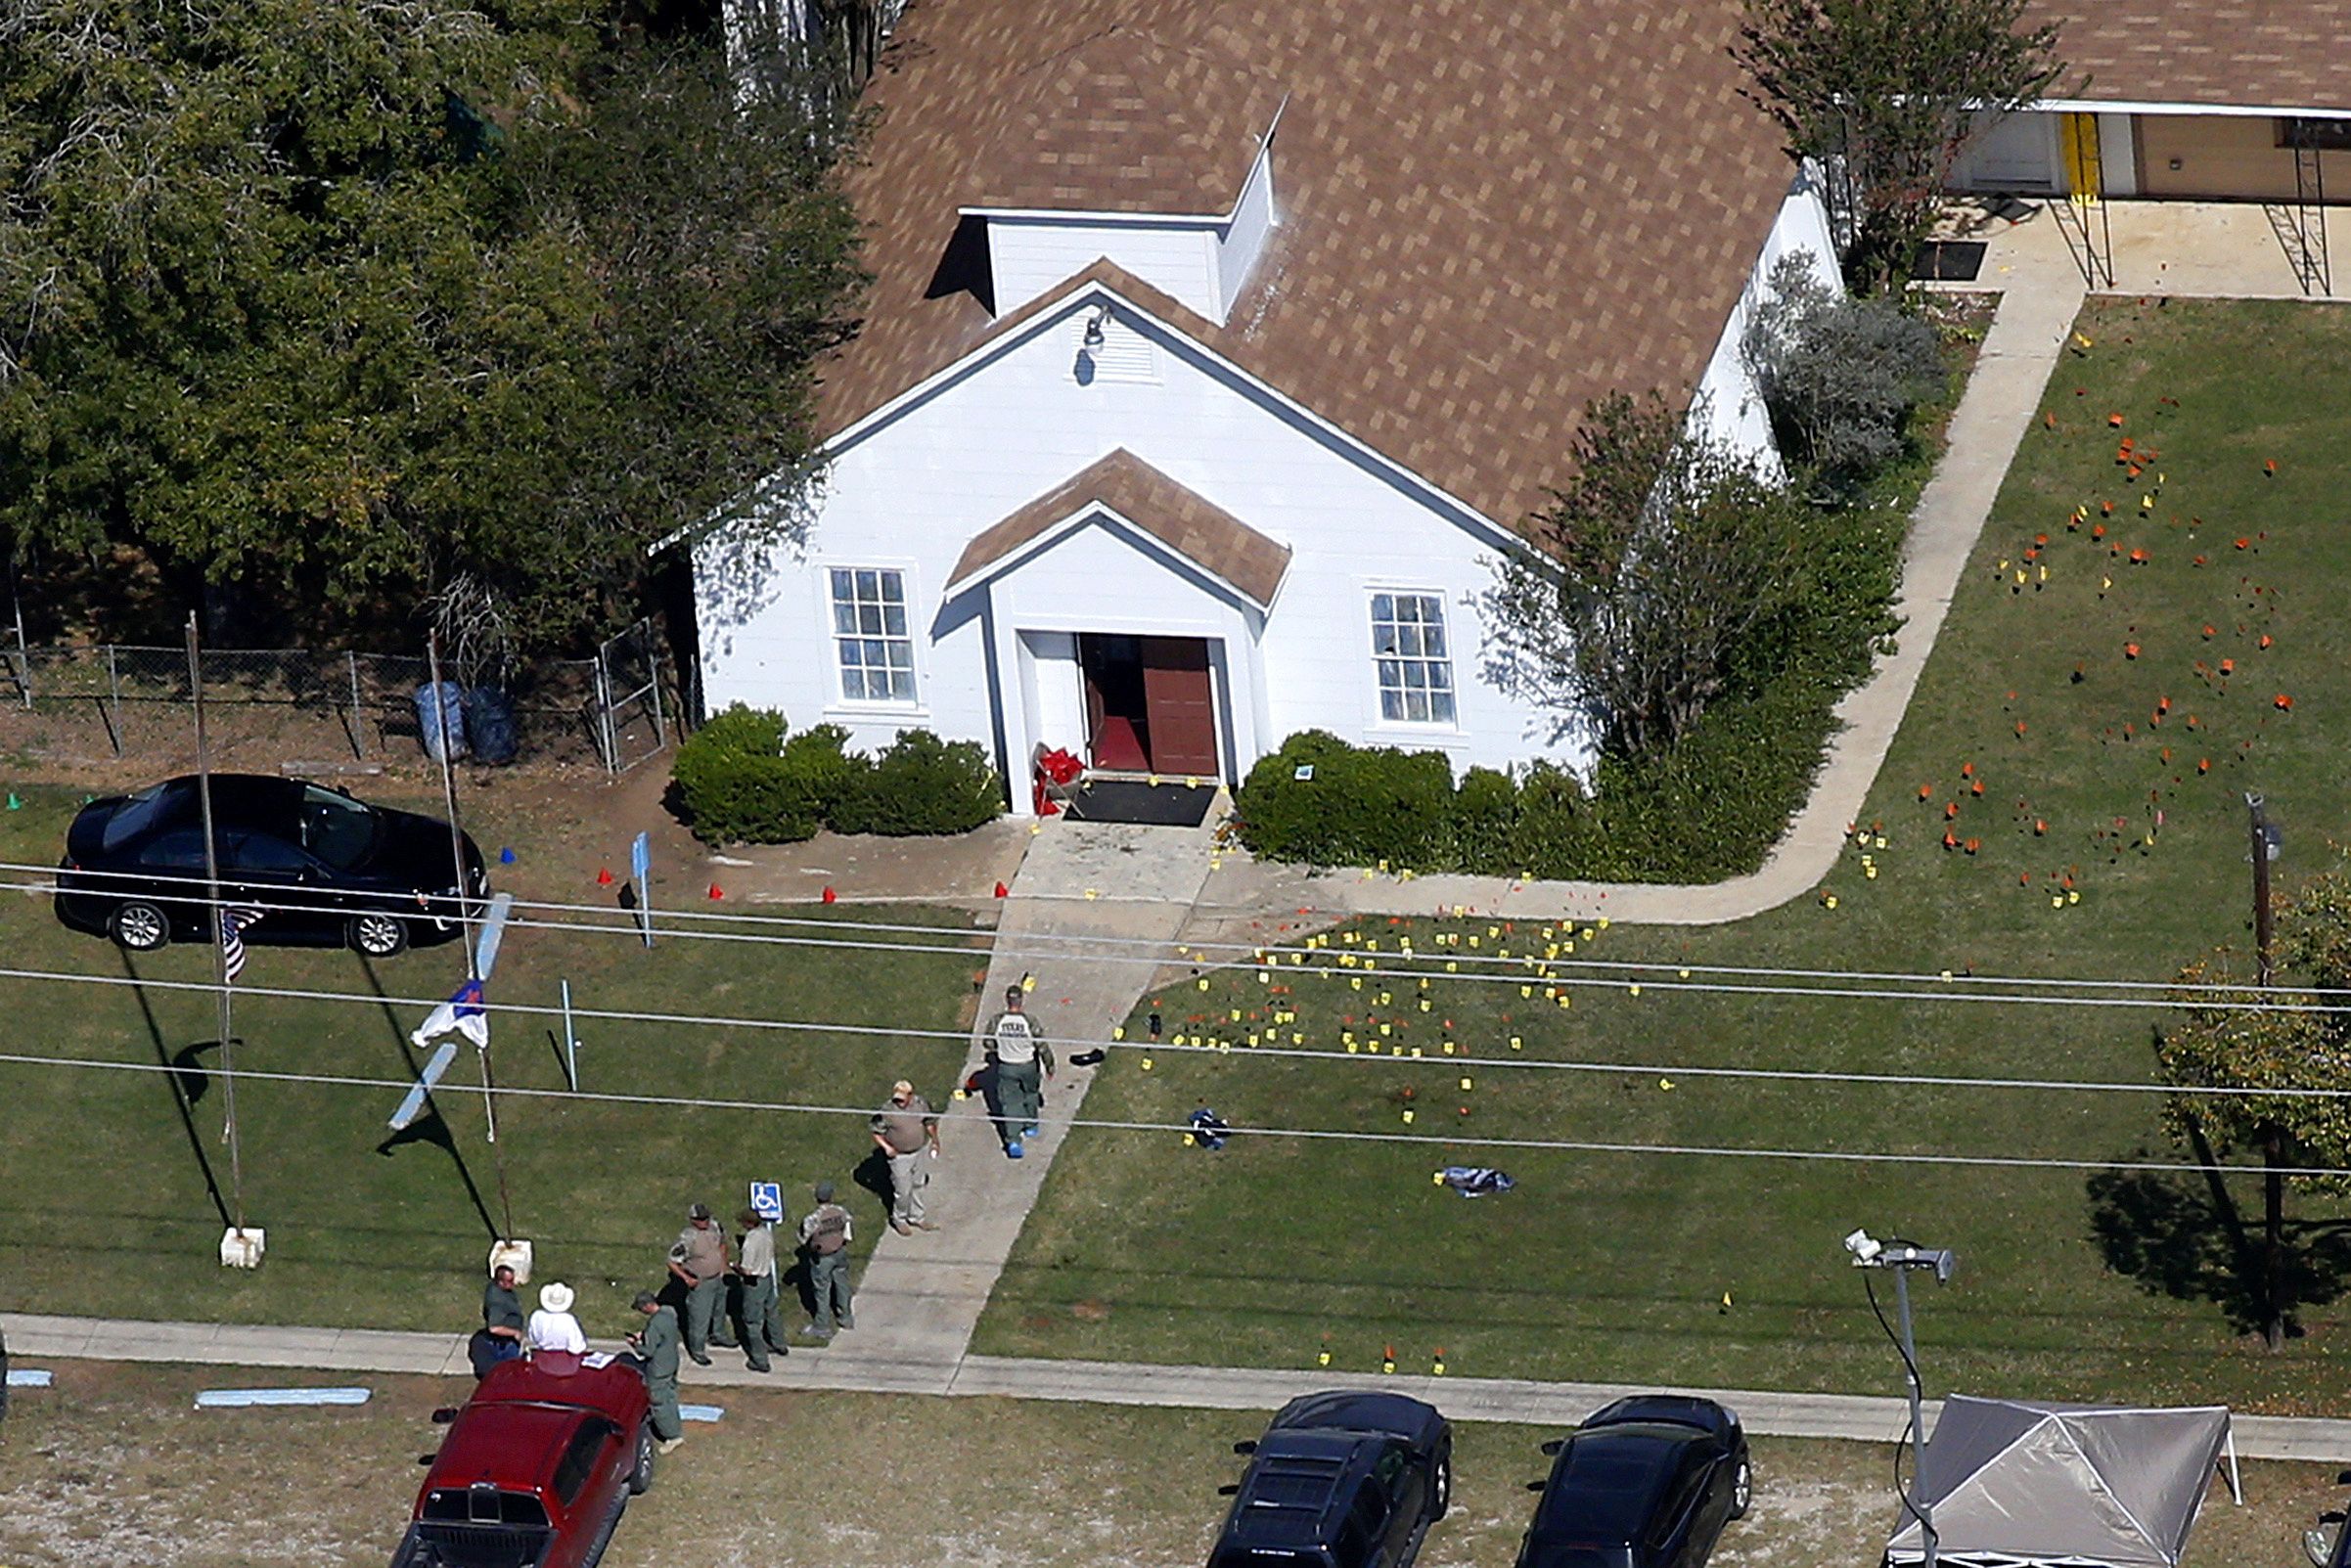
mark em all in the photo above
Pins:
pixel 463 1014
pixel 233 923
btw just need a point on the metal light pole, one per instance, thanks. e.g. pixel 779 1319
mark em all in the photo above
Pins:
pixel 1902 1257
pixel 2264 846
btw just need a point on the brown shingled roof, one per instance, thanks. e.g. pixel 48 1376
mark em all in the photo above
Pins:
pixel 2263 54
pixel 1125 123
pixel 1491 212
pixel 1213 538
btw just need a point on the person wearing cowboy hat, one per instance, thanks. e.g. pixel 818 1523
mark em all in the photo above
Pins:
pixel 553 1329
pixel 907 1133
pixel 698 1260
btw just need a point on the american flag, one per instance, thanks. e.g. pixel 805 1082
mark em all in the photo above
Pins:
pixel 231 938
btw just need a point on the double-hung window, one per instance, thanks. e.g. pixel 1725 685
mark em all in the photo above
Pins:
pixel 870 638
pixel 1414 660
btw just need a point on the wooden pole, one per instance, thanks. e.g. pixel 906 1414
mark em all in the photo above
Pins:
pixel 220 914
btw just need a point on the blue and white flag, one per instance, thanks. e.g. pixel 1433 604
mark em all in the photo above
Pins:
pixel 233 923
pixel 463 1014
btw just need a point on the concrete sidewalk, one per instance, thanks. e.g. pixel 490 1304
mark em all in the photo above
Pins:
pixel 1858 1418
pixel 920 1296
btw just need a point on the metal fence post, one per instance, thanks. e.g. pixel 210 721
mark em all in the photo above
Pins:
pixel 358 725
pixel 652 679
pixel 605 735
pixel 24 653
pixel 113 691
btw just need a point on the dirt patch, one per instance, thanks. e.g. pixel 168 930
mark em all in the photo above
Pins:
pixel 114 1466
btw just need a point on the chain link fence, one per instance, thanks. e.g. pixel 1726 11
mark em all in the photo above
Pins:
pixel 272 708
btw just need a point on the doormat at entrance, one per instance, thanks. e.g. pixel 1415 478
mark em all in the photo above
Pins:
pixel 1150 805
pixel 1949 260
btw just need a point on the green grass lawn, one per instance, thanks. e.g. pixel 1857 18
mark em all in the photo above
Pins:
pixel 107 1179
pixel 2123 773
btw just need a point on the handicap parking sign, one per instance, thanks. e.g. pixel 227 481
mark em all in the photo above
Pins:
pixel 767 1200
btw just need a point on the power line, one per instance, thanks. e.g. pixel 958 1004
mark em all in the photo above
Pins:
pixel 1564 1145
pixel 1531 971
pixel 1226 1048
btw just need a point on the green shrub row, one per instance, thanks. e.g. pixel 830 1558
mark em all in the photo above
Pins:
pixel 740 780
pixel 1712 808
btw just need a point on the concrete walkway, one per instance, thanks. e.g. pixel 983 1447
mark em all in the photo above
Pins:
pixel 2043 294
pixel 919 1297
pixel 1859 1418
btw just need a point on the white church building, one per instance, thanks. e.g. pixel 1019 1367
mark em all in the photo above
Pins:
pixel 1215 354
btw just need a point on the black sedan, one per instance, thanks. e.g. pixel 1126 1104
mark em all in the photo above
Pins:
pixel 1647 1482
pixel 322 867
pixel 1339 1480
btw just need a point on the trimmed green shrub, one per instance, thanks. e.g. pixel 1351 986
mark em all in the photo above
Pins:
pixel 1485 821
pixel 919 784
pixel 1358 808
pixel 740 780
pixel 1555 827
pixel 733 785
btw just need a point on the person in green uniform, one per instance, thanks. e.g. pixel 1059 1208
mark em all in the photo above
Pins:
pixel 698 1260
pixel 762 1308
pixel 1023 1061
pixel 825 1233
pixel 656 1348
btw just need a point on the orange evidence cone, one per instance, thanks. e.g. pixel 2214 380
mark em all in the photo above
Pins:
pixel 1002 891
pixel 604 876
pixel 718 891
pixel 829 896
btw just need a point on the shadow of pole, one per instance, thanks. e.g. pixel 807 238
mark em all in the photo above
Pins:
pixel 184 1072
pixel 428 1128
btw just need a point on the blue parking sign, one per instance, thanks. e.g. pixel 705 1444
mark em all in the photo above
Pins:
pixel 767 1200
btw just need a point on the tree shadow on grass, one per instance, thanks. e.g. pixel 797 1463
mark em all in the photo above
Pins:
pixel 2182 1236
pixel 430 1127
pixel 186 1079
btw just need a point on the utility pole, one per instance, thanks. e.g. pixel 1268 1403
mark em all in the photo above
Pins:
pixel 2273 1136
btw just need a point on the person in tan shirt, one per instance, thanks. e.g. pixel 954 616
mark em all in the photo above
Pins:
pixel 907 1133
pixel 698 1260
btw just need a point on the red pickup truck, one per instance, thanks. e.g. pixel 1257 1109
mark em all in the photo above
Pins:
pixel 536 1471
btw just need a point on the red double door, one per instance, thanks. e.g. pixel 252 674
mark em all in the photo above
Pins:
pixel 1151 705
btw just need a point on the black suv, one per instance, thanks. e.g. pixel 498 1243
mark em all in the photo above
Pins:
pixel 1647 1482
pixel 1339 1480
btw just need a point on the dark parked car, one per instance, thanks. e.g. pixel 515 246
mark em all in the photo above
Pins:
pixel 322 867
pixel 1339 1481
pixel 536 1471
pixel 1647 1482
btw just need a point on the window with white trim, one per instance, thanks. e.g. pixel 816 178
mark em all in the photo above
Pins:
pixel 869 635
pixel 1414 665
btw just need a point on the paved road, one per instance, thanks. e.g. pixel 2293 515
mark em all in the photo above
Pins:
pixel 33 1338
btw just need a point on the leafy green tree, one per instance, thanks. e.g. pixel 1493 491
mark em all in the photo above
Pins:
pixel 1645 574
pixel 1880 92
pixel 338 305
pixel 2294 1067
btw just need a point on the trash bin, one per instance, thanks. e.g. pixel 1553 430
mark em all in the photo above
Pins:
pixel 431 701
pixel 490 724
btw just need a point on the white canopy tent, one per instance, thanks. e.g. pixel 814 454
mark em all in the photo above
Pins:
pixel 2022 1484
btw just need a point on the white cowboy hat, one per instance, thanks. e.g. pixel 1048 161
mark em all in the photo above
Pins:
pixel 556 1297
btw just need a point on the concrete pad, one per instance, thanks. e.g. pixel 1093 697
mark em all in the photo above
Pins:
pixel 2222 249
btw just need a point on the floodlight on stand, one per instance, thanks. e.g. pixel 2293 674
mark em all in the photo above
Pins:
pixel 1902 1257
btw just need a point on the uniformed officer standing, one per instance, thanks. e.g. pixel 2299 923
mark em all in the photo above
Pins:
pixel 656 1346
pixel 699 1261
pixel 825 1232
pixel 762 1312
pixel 1020 1054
